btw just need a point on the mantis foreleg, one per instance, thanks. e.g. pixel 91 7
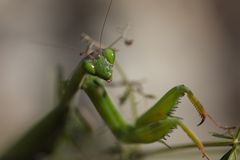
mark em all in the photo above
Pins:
pixel 152 126
pixel 166 105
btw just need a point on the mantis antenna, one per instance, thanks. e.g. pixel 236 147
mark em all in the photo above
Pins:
pixel 104 22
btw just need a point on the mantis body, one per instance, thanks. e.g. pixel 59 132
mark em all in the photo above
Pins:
pixel 152 126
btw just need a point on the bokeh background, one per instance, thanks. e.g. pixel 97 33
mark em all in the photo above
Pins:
pixel 195 43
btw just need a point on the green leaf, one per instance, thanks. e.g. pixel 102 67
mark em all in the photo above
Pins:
pixel 227 155
pixel 232 154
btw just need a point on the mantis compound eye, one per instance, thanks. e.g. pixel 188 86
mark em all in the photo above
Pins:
pixel 110 55
pixel 89 67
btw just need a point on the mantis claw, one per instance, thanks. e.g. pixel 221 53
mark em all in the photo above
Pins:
pixel 196 103
pixel 203 119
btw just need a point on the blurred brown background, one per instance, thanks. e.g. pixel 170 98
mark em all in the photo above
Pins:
pixel 177 41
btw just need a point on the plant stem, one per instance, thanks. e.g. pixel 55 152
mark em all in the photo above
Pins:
pixel 142 154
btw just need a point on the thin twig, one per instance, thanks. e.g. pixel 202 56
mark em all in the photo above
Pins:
pixel 122 36
pixel 130 87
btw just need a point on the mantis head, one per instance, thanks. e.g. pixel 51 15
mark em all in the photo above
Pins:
pixel 101 65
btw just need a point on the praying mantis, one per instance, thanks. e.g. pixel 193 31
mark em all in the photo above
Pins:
pixel 151 126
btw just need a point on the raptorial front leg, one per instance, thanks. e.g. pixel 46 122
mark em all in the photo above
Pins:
pixel 167 104
pixel 153 126
pixel 158 121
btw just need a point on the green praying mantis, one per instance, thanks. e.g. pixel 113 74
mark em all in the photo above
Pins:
pixel 151 126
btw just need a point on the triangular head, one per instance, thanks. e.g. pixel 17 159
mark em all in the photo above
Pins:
pixel 101 65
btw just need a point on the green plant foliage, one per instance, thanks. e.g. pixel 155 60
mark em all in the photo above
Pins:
pixel 233 153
